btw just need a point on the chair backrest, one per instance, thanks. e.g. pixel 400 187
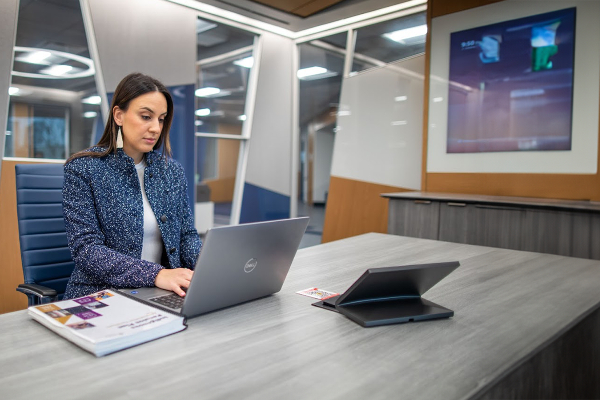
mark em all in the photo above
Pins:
pixel 45 254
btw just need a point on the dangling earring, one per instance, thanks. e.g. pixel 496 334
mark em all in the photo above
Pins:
pixel 119 139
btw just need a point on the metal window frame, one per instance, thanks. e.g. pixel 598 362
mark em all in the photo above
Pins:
pixel 349 25
pixel 244 138
pixel 90 35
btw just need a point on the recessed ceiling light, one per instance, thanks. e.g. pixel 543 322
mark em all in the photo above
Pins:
pixel 401 35
pixel 315 72
pixel 310 71
pixel 13 90
pixel 90 114
pixel 61 72
pixel 203 112
pixel 207 91
pixel 92 100
pixel 247 62
pixel 35 57
pixel 242 117
pixel 56 70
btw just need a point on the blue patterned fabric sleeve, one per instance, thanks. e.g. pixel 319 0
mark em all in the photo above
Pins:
pixel 96 264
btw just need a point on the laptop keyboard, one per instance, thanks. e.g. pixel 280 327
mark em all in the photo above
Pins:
pixel 172 300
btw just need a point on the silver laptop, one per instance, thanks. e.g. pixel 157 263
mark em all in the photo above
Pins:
pixel 237 264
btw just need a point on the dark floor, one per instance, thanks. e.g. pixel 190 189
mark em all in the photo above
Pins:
pixel 314 231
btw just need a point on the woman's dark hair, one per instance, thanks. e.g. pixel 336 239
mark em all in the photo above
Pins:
pixel 130 87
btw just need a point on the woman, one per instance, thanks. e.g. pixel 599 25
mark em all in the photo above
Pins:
pixel 127 216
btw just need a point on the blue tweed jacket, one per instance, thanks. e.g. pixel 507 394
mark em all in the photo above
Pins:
pixel 103 209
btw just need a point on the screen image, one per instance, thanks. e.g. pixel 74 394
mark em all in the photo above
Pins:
pixel 511 85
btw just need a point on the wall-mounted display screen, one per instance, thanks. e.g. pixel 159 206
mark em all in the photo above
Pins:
pixel 511 85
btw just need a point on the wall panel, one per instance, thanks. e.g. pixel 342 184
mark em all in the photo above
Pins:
pixel 268 173
pixel 355 207
pixel 8 24
pixel 377 147
pixel 154 37
pixel 554 185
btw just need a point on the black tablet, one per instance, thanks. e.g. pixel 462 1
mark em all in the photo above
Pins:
pixel 391 295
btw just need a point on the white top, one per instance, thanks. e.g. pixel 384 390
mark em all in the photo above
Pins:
pixel 153 244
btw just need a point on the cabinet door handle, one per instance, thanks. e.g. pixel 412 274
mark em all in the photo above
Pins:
pixel 490 207
pixel 457 204
pixel 422 201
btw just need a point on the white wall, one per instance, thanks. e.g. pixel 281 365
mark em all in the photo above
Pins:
pixel 323 151
pixel 269 157
pixel 155 37
pixel 380 120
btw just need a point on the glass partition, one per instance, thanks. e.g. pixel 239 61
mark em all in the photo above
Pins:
pixel 388 41
pixel 54 106
pixel 225 61
pixel 320 73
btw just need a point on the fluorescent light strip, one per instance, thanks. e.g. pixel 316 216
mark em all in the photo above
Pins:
pixel 47 75
pixel 408 33
pixel 92 100
pixel 35 57
pixel 310 71
pixel 359 18
pixel 56 70
pixel 235 19
pixel 247 62
pixel 207 91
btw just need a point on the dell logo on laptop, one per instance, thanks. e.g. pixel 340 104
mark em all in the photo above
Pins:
pixel 250 265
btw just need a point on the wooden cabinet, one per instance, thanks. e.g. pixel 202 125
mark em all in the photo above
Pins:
pixel 415 218
pixel 569 228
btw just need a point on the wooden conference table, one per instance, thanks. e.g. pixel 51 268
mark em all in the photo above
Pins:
pixel 525 325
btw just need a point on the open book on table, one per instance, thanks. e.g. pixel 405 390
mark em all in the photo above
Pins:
pixel 106 321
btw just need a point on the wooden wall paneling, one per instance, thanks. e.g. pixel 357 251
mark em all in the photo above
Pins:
pixel 426 97
pixel 10 266
pixel 221 190
pixel 311 7
pixel 553 186
pixel 443 7
pixel 355 207
pixel 22 130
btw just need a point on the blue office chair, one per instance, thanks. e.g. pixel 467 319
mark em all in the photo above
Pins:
pixel 46 259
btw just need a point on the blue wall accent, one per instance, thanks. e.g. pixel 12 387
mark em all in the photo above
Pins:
pixel 181 134
pixel 260 204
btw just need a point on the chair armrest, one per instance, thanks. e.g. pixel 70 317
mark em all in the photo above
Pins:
pixel 37 290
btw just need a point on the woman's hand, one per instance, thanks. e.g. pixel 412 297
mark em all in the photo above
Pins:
pixel 174 279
